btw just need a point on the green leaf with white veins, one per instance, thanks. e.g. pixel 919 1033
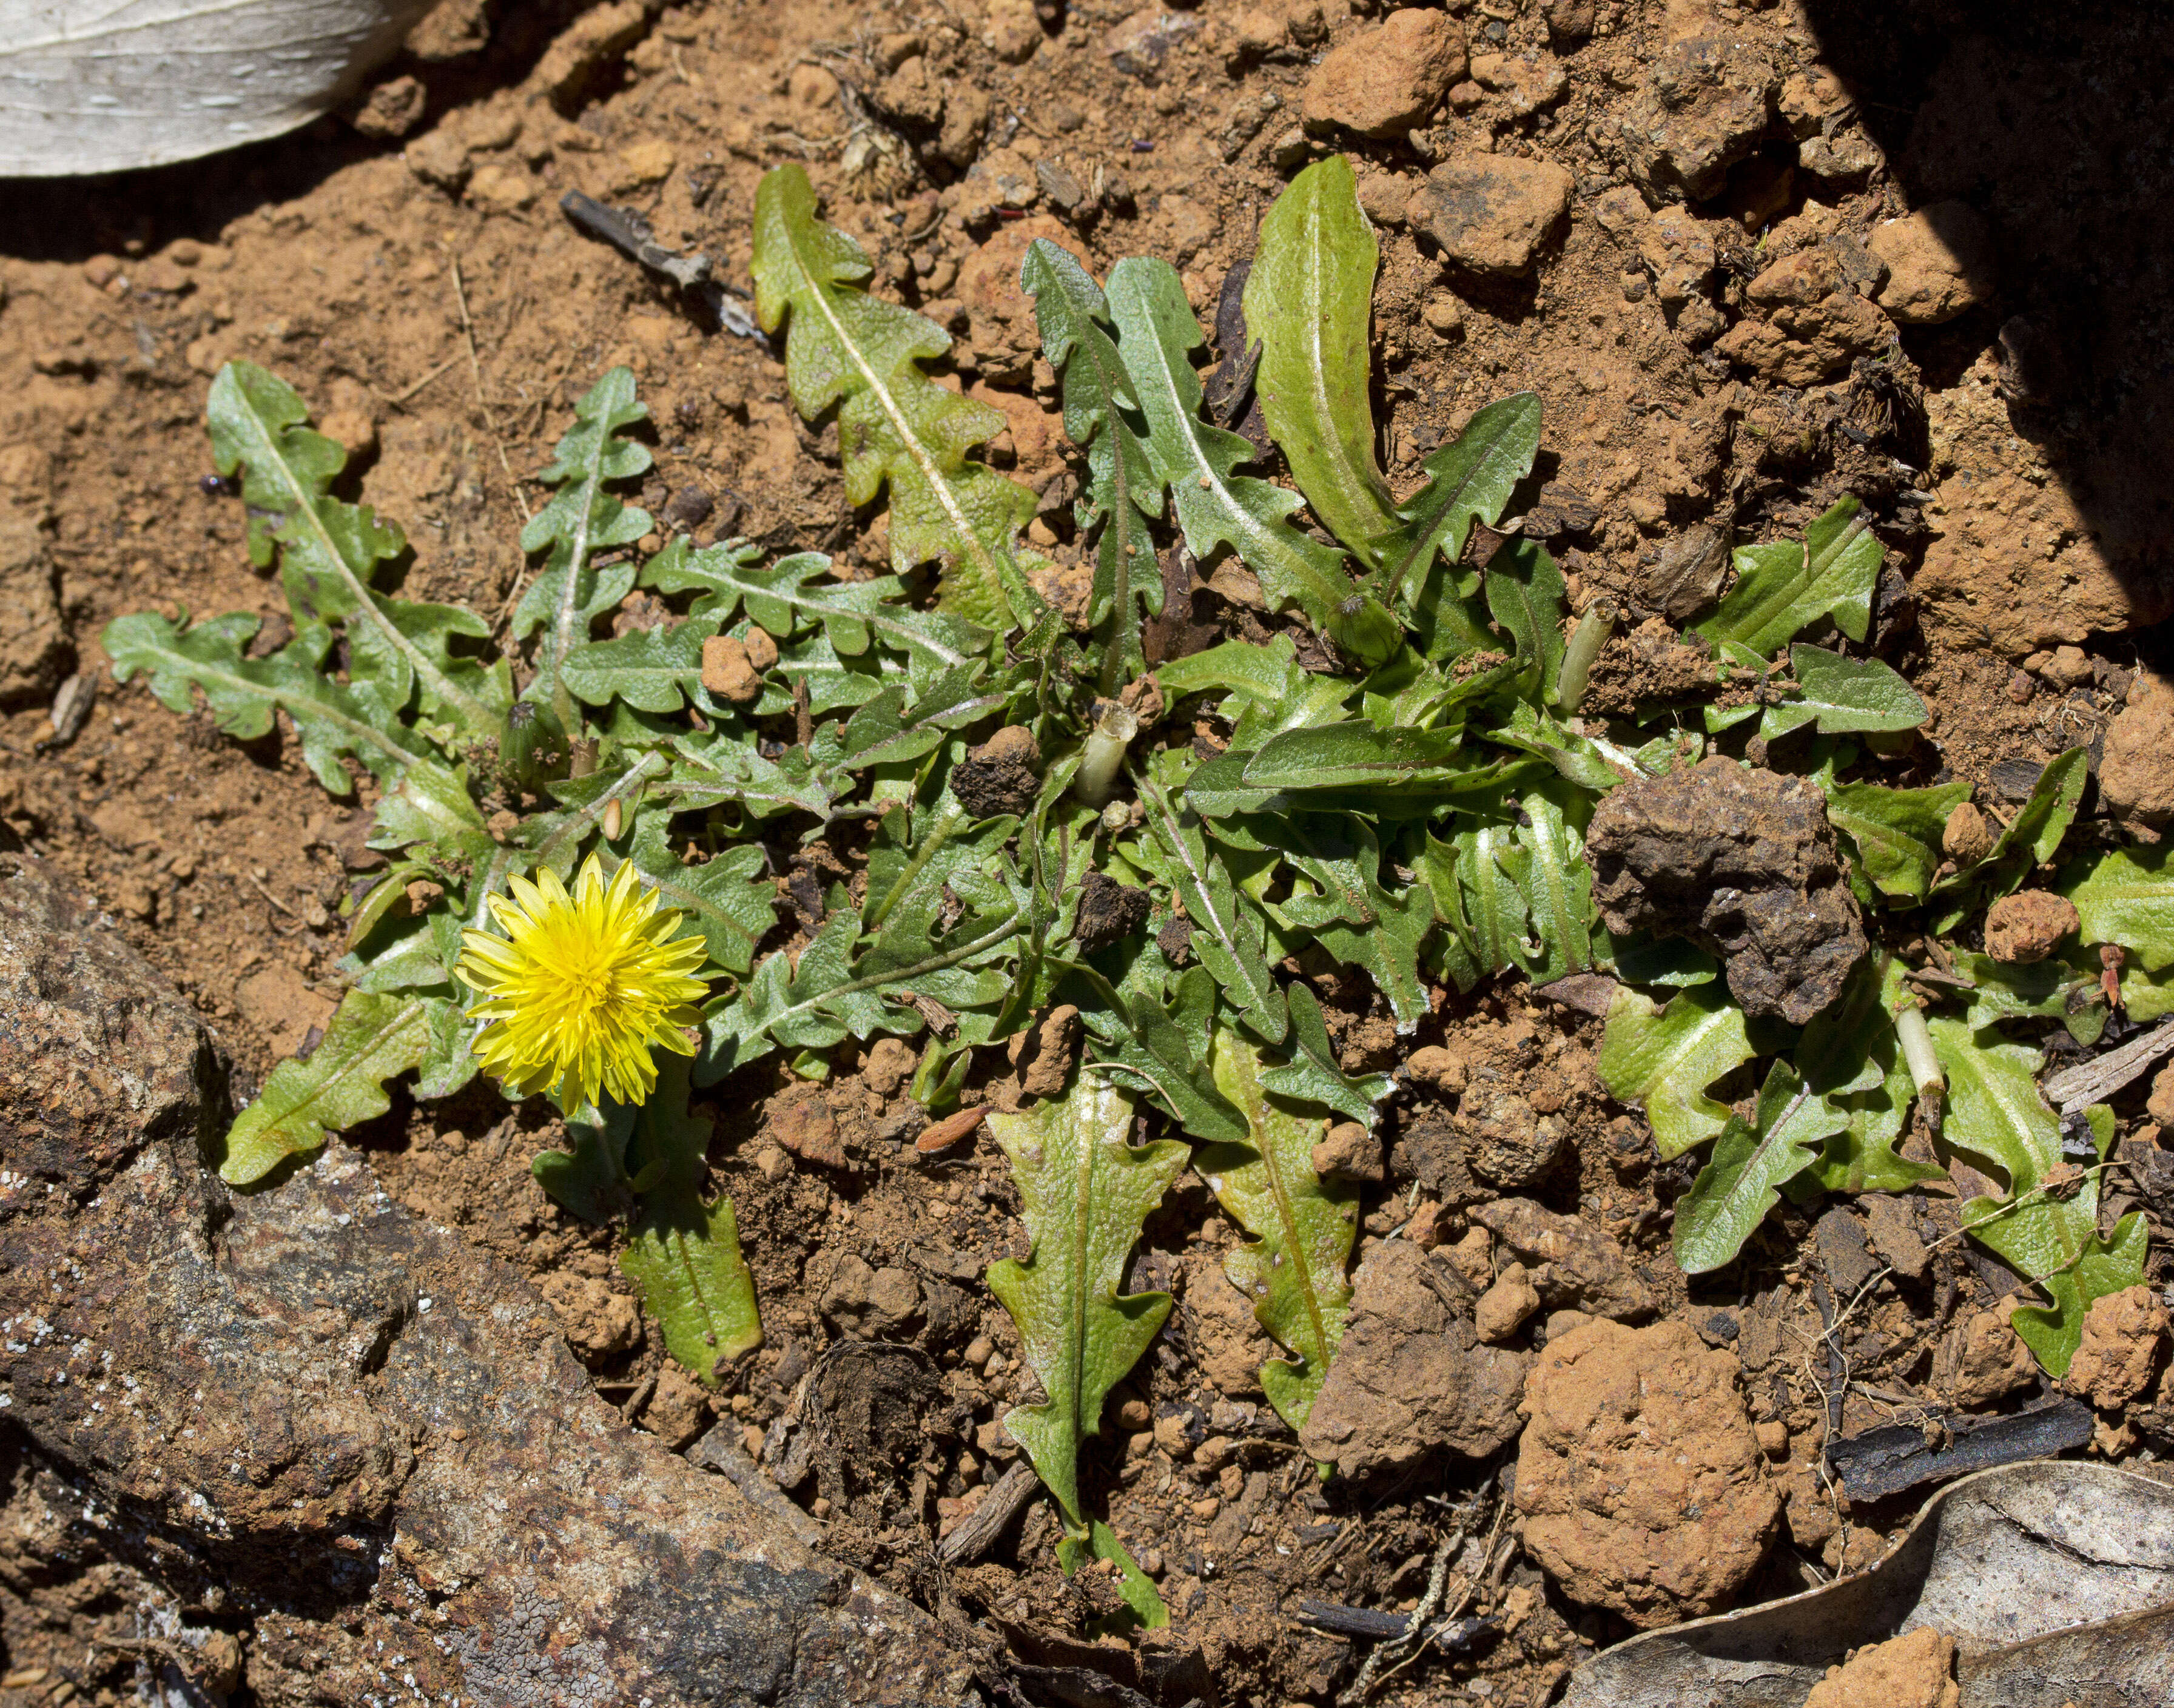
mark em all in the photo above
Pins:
pixel 1468 480
pixel 243 693
pixel 2126 896
pixel 372 1039
pixel 651 669
pixel 1136 1037
pixel 729 897
pixel 583 518
pixel 1307 302
pixel 1546 862
pixel 1897 831
pixel 431 806
pixel 1996 1114
pixel 1102 416
pixel 1227 935
pixel 896 426
pixel 1215 506
pixel 1743 1179
pixel 1352 755
pixel 786 596
pixel 329 553
pixel 1843 696
pixel 1493 905
pixel 1784 586
pixel 1085 1192
pixel 1359 922
pixel 1302 1227
pixel 1663 1059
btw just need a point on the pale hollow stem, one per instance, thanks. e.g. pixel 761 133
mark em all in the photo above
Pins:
pixel 1104 756
pixel 1924 1061
pixel 1586 640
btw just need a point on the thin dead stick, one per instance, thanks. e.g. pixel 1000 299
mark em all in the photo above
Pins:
pixel 475 373
pixel 270 897
pixel 399 399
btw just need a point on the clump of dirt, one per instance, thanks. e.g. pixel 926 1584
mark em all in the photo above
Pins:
pixel 1642 1485
pixel 1410 1380
pixel 1915 1670
pixel 1742 863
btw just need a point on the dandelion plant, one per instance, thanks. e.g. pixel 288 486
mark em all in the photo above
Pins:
pixel 1407 798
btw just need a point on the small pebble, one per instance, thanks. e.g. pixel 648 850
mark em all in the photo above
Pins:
pixel 2020 687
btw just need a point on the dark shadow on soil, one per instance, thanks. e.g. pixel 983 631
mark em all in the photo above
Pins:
pixel 2056 124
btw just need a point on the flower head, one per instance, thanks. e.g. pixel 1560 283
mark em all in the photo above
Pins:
pixel 581 986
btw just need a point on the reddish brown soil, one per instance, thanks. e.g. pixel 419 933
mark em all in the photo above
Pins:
pixel 463 324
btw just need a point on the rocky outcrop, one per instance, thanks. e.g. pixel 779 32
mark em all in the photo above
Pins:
pixel 307 1419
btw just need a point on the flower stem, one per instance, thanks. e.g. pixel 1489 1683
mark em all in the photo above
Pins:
pixel 1591 634
pixel 1104 754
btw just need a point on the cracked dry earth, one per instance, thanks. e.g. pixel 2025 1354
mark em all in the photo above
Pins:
pixel 394 1429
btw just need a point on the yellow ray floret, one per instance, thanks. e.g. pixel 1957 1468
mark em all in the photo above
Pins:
pixel 581 986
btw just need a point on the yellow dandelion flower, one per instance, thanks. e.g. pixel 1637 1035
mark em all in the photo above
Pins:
pixel 581 986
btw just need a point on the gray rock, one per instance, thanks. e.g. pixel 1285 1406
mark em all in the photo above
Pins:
pixel 1743 863
pixel 305 1410
pixel 1706 103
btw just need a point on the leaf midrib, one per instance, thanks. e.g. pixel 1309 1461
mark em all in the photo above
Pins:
pixel 306 512
pixel 819 292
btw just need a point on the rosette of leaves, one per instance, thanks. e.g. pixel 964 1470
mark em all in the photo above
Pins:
pixel 489 766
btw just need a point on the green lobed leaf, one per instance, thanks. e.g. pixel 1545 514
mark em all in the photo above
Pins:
pixel 1358 921
pixel 1743 1179
pixel 431 808
pixel 1843 696
pixel 329 553
pixel 651 669
pixel 2031 839
pixel 1546 861
pixel 1525 592
pixel 787 597
pixel 1102 416
pixel 1663 1059
pixel 1215 506
pixel 1853 1060
pixel 729 897
pixel 583 517
pixel 1897 832
pixel 1227 935
pixel 1784 586
pixel 2125 897
pixel 372 1039
pixel 1302 1227
pixel 2103 1266
pixel 1492 904
pixel 243 693
pixel 897 428
pixel 1313 1074
pixel 1135 1033
pixel 1468 480
pixel 1307 302
pixel 1085 1192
